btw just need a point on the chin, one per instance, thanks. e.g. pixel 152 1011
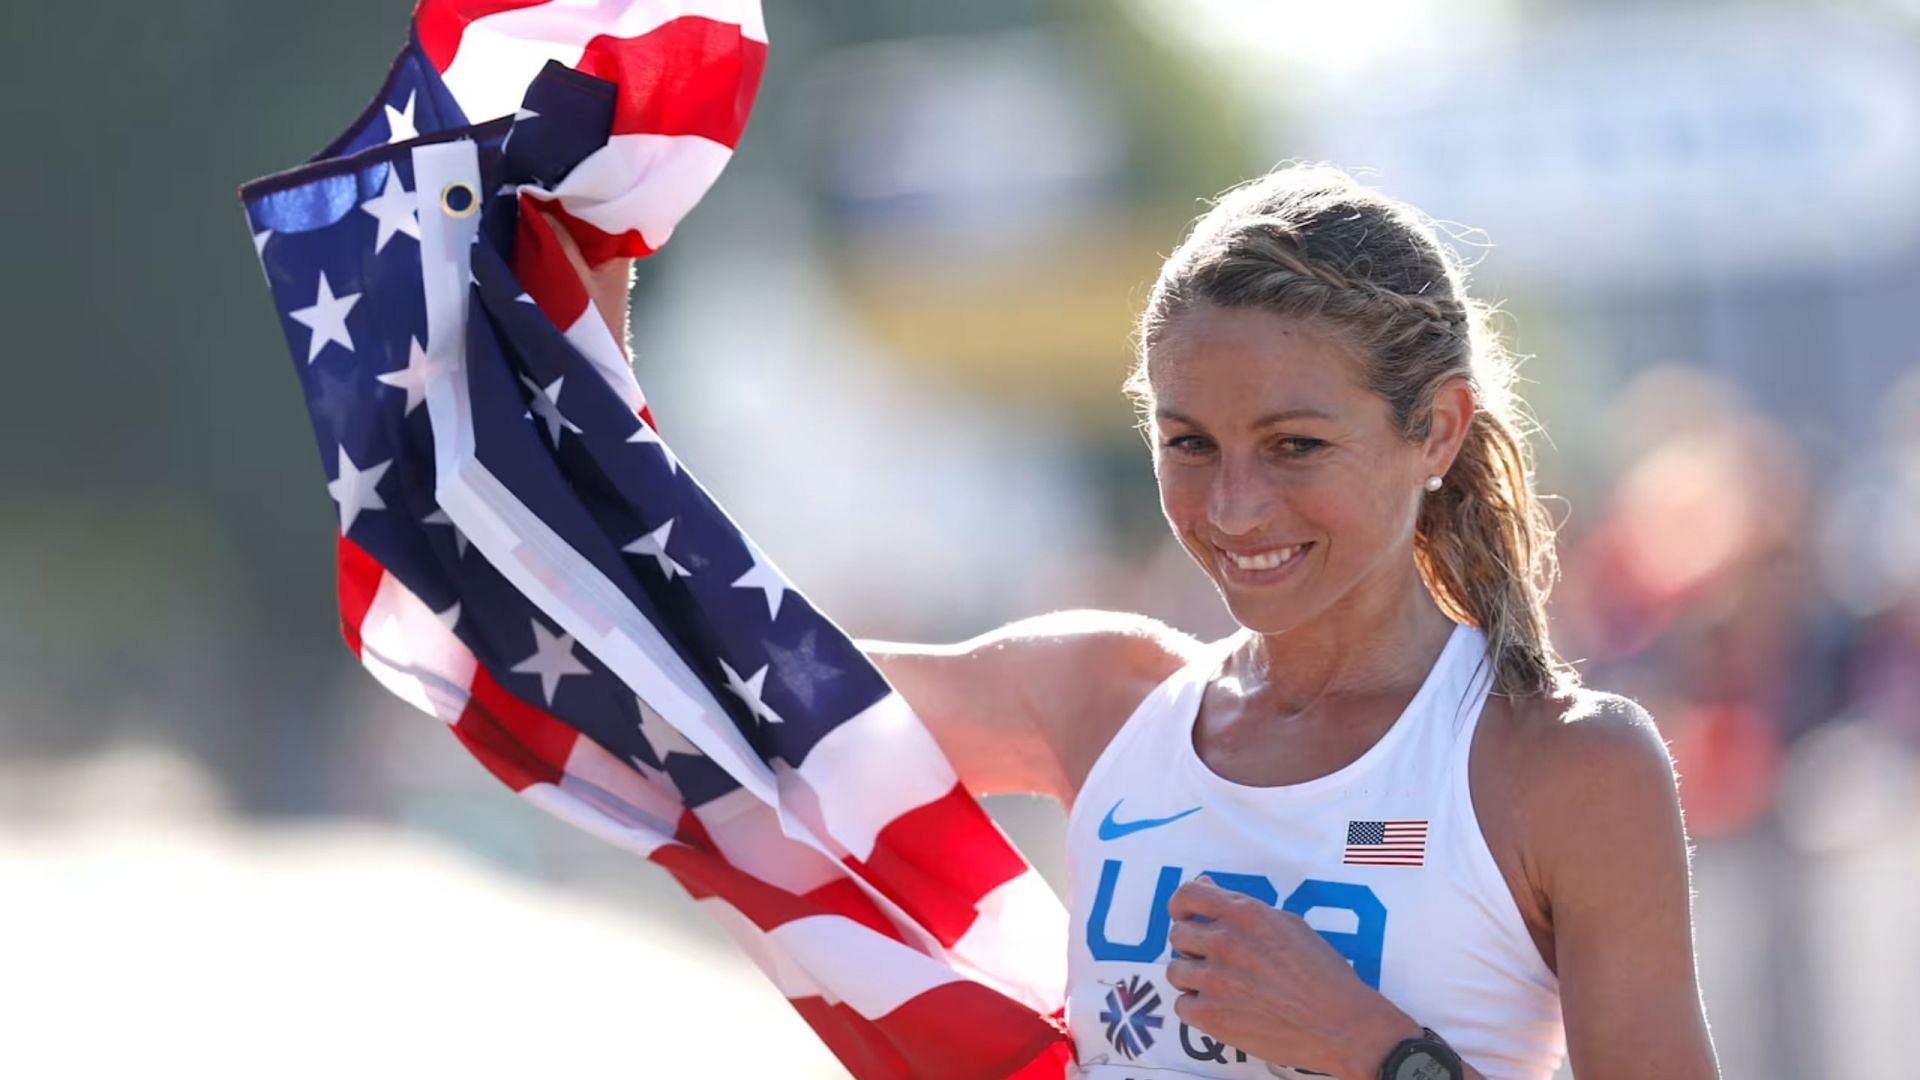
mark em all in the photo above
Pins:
pixel 1264 616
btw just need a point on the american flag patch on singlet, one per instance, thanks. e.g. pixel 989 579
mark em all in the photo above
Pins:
pixel 1386 843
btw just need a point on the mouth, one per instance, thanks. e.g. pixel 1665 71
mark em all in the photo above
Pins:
pixel 1262 567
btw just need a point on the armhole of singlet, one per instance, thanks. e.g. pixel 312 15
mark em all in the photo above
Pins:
pixel 1479 854
pixel 1166 690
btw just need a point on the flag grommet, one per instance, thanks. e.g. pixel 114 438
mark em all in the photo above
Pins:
pixel 459 200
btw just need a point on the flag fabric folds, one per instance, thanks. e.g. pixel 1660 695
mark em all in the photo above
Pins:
pixel 522 555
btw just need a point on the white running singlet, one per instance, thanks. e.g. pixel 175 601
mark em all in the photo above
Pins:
pixel 1384 858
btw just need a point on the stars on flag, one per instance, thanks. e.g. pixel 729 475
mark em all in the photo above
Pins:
pixel 800 668
pixel 750 690
pixel 763 575
pixel 663 738
pixel 546 405
pixel 552 660
pixel 421 369
pixel 327 318
pixel 400 122
pixel 654 544
pixel 354 489
pixel 395 210
pixel 439 517
pixel 646 435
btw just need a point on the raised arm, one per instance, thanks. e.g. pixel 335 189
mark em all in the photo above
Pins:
pixel 1029 706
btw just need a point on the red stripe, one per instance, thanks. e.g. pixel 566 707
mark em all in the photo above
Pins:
pixel 704 873
pixel 597 245
pixel 957 1031
pixel 356 579
pixel 541 266
pixel 964 1031
pixel 936 861
pixel 520 744
pixel 844 897
pixel 689 76
pixel 441 23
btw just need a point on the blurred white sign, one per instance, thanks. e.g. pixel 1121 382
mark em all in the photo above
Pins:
pixel 1658 145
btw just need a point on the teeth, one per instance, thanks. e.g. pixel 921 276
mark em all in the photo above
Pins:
pixel 1266 560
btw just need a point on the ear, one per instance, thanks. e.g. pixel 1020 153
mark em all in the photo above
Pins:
pixel 1453 411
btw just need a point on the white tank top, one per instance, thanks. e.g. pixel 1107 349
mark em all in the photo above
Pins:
pixel 1384 858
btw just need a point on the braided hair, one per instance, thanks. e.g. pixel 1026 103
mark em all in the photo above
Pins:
pixel 1310 242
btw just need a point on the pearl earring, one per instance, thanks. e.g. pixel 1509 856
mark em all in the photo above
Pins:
pixel 1433 483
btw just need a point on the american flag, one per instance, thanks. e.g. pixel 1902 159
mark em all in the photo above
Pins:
pixel 521 554
pixel 1386 843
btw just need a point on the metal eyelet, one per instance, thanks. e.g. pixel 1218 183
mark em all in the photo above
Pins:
pixel 459 200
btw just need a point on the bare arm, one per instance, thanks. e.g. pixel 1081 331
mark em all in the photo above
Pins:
pixel 1613 863
pixel 1029 706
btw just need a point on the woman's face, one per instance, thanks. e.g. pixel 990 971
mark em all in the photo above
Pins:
pixel 1281 475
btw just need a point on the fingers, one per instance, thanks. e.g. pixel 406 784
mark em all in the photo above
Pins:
pixel 1190 938
pixel 1186 973
pixel 1201 898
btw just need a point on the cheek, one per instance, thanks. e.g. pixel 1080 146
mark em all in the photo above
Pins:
pixel 1183 499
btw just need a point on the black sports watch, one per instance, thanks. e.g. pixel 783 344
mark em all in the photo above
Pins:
pixel 1424 1057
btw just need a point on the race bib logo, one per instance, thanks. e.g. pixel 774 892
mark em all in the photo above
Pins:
pixel 1131 1015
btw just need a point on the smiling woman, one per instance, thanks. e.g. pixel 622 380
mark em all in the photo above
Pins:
pixel 1382 830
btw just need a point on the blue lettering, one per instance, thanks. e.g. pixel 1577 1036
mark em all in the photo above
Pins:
pixel 1362 946
pixel 1153 939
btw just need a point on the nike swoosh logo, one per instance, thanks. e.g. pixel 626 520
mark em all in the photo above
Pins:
pixel 1114 830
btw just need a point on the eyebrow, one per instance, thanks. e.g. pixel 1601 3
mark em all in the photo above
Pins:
pixel 1280 417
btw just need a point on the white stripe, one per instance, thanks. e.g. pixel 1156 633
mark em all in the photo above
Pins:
pixel 1021 931
pixel 834 958
pixel 636 836
pixel 747 833
pixel 500 54
pixel 869 770
pixel 591 335
pixel 406 646
pixel 598 778
pixel 644 183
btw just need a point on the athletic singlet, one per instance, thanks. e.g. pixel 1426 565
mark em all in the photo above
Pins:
pixel 1384 858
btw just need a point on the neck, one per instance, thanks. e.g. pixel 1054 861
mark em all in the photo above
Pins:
pixel 1366 646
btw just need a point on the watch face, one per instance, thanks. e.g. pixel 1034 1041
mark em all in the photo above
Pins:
pixel 1421 1065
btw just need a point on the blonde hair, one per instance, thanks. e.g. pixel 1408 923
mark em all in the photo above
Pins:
pixel 1309 241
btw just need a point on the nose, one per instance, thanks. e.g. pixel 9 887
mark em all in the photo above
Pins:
pixel 1241 499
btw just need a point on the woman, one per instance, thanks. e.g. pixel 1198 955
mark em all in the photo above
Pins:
pixel 1411 816
pixel 1381 831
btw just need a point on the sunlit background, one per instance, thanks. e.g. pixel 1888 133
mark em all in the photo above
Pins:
pixel 891 341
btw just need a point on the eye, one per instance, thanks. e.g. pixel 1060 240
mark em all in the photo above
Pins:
pixel 1300 446
pixel 1188 444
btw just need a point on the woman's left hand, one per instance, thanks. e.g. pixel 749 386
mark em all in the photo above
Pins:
pixel 1263 981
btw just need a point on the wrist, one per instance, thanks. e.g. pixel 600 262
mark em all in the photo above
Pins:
pixel 1369 1049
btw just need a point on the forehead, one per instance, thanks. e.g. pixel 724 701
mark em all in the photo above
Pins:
pixel 1218 364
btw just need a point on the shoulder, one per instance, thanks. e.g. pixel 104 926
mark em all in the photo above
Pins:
pixel 1101 645
pixel 1595 782
pixel 1593 740
pixel 1099 666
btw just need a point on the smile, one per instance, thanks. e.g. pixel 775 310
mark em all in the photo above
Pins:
pixel 1261 567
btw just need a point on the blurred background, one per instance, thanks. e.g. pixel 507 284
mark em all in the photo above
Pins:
pixel 223 846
